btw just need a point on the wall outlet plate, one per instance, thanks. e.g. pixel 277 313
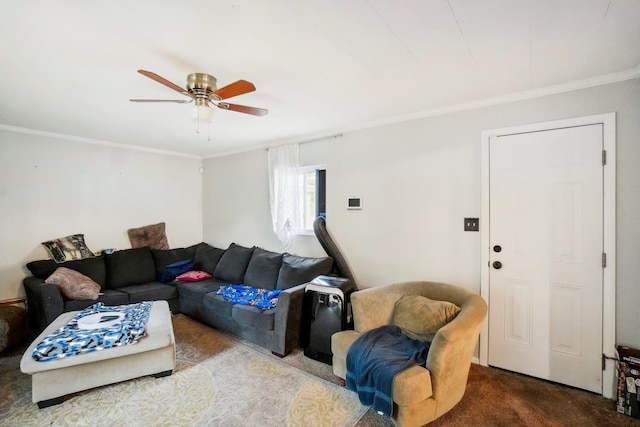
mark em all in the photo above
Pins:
pixel 471 224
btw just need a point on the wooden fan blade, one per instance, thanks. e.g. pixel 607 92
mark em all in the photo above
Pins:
pixel 234 89
pixel 177 101
pixel 162 80
pixel 243 109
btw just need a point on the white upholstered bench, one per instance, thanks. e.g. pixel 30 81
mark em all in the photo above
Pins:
pixel 154 354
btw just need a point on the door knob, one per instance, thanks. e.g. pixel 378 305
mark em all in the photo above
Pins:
pixel 497 265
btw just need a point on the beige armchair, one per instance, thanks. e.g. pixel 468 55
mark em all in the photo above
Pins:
pixel 420 395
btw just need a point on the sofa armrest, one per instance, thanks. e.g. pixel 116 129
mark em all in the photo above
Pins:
pixel 288 319
pixel 44 303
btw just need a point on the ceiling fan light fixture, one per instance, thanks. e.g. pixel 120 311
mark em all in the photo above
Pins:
pixel 202 113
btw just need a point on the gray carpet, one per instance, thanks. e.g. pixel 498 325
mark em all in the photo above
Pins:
pixel 493 398
pixel 496 398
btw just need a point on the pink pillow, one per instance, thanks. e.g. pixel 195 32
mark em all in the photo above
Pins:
pixel 194 276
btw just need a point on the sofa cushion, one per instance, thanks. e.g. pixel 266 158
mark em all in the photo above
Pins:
pixel 217 304
pixel 74 285
pixel 153 291
pixel 263 269
pixel 194 291
pixel 296 270
pixel 420 317
pixel 109 297
pixel 162 258
pixel 130 267
pixel 256 317
pixel 94 268
pixel 207 257
pixel 233 264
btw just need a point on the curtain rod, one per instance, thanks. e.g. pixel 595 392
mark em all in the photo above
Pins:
pixel 336 136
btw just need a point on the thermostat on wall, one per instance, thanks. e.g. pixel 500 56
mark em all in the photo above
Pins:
pixel 354 203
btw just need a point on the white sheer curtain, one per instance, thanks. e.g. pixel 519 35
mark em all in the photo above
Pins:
pixel 283 191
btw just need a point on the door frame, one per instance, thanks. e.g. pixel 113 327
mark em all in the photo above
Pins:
pixel 608 122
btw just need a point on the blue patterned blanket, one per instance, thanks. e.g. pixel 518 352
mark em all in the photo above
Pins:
pixel 72 338
pixel 246 295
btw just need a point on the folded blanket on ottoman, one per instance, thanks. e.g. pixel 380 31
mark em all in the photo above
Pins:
pixel 373 361
pixel 123 324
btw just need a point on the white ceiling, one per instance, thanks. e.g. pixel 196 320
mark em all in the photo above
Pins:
pixel 320 67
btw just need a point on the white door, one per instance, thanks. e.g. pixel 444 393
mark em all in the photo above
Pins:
pixel 546 246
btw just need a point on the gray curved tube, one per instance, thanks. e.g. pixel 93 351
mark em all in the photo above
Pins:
pixel 330 247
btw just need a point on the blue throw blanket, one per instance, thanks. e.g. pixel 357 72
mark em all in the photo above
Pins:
pixel 246 295
pixel 373 361
pixel 72 339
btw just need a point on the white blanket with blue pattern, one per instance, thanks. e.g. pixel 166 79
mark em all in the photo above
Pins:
pixel 71 339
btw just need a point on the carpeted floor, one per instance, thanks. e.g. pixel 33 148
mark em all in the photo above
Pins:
pixel 218 381
pixel 494 397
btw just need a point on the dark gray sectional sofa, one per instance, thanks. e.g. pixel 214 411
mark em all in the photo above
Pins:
pixel 133 275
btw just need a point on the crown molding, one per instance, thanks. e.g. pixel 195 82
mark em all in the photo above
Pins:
pixel 301 139
pixel 505 99
pixel 84 140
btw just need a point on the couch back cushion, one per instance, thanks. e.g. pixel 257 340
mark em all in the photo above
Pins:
pixel 207 257
pixel 94 268
pixel 233 264
pixel 130 267
pixel 263 269
pixel 296 270
pixel 163 257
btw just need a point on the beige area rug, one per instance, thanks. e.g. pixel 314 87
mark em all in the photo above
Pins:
pixel 218 381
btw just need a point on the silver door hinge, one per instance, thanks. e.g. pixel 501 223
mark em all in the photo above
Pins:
pixel 604 157
pixel 604 260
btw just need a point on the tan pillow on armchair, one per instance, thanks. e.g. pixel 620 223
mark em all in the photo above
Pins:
pixel 420 317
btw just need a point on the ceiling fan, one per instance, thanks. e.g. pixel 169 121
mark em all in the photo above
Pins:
pixel 202 90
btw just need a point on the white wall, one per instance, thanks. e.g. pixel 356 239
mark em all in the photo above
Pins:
pixel 418 180
pixel 51 188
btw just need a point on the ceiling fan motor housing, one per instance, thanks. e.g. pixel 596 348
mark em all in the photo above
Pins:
pixel 201 85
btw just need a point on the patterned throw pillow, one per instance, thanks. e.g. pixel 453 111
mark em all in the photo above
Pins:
pixel 74 285
pixel 68 248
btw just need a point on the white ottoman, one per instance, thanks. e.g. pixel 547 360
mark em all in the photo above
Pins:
pixel 154 354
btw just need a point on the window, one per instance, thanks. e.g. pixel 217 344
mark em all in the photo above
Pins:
pixel 311 197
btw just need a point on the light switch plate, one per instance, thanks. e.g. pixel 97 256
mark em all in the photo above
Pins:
pixel 354 203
